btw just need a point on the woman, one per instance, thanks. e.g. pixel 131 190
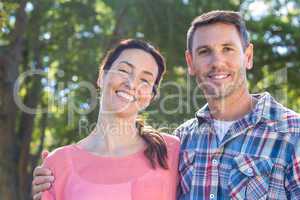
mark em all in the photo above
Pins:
pixel 121 158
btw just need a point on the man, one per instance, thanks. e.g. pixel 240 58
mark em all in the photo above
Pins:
pixel 238 146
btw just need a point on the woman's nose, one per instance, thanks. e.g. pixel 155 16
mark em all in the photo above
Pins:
pixel 132 82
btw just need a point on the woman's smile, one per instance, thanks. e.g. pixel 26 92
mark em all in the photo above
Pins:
pixel 124 95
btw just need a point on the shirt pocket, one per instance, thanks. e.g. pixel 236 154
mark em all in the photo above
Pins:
pixel 186 170
pixel 249 178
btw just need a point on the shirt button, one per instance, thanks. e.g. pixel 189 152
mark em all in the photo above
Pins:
pixel 211 196
pixel 214 162
pixel 250 171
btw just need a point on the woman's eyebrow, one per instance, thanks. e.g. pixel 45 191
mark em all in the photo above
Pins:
pixel 148 73
pixel 127 63
pixel 132 66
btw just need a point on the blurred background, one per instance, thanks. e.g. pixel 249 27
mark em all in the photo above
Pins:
pixel 49 56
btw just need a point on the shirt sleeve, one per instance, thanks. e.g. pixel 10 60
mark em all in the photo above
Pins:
pixel 56 161
pixel 48 195
pixel 292 181
pixel 176 132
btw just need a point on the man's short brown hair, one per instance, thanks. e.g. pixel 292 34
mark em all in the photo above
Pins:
pixel 222 16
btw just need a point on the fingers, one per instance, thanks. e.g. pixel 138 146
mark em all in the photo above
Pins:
pixel 41 171
pixel 36 189
pixel 44 154
pixel 42 179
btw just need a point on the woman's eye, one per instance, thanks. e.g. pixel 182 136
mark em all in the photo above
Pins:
pixel 145 81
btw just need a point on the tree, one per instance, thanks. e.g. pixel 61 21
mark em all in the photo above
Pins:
pixel 11 58
pixel 59 44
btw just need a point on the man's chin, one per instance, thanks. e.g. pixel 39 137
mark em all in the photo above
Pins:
pixel 218 95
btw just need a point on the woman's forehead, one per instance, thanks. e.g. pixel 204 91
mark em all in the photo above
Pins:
pixel 137 59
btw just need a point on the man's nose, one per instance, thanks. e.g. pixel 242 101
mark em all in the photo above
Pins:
pixel 217 60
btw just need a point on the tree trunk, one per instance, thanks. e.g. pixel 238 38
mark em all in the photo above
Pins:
pixel 9 64
pixel 32 99
pixel 25 132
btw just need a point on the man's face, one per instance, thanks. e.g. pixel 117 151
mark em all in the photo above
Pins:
pixel 218 60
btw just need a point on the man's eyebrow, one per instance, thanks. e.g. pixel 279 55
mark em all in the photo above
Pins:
pixel 228 44
pixel 202 47
pixel 207 46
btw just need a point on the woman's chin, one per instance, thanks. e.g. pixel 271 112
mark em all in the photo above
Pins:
pixel 122 109
pixel 125 115
pixel 125 111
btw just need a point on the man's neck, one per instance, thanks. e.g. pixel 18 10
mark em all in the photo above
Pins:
pixel 232 107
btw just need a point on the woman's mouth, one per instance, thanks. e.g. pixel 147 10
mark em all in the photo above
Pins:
pixel 126 96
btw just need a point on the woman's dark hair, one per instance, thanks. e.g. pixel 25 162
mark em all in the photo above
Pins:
pixel 156 151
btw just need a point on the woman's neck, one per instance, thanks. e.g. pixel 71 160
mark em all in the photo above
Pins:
pixel 113 136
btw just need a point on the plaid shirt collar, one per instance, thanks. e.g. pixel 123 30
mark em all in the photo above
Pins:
pixel 260 112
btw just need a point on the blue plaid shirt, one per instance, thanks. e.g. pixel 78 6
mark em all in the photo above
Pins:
pixel 258 158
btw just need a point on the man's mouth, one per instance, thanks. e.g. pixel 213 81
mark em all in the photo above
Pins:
pixel 219 76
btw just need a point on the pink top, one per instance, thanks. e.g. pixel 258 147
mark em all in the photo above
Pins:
pixel 82 175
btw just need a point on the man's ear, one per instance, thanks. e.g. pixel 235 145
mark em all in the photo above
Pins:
pixel 189 62
pixel 100 79
pixel 249 56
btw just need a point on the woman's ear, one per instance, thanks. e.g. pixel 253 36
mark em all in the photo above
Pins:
pixel 146 104
pixel 155 94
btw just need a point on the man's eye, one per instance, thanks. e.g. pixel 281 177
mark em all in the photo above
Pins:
pixel 123 71
pixel 228 49
pixel 202 51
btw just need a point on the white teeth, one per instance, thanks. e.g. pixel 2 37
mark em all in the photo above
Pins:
pixel 219 76
pixel 125 95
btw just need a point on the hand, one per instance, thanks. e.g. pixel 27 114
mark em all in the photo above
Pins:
pixel 42 179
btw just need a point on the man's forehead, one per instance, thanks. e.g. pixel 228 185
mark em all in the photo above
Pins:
pixel 216 29
pixel 216 34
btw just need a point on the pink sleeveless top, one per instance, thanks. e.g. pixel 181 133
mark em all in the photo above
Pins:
pixel 80 175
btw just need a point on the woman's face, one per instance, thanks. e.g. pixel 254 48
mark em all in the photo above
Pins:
pixel 127 86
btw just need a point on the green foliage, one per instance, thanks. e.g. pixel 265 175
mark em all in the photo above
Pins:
pixel 72 36
pixel 276 60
